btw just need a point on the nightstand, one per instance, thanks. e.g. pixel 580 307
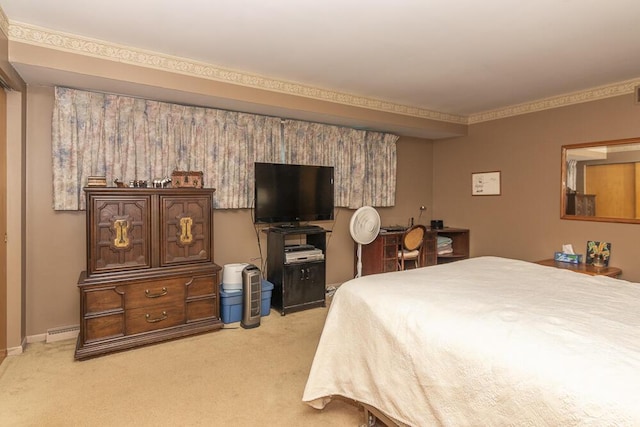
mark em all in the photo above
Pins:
pixel 583 268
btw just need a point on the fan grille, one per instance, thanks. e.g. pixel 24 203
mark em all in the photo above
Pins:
pixel 365 225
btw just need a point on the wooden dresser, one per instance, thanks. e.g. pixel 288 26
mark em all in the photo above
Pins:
pixel 581 204
pixel 150 273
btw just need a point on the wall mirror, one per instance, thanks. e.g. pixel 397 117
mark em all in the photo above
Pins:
pixel 601 181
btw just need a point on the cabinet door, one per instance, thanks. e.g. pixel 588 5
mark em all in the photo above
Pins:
pixel 185 229
pixel 118 233
pixel 381 255
pixel 303 283
pixel 430 249
pixel 392 243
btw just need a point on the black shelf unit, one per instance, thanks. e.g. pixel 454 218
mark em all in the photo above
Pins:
pixel 296 285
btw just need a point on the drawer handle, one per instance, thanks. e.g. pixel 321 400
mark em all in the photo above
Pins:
pixel 162 317
pixel 148 294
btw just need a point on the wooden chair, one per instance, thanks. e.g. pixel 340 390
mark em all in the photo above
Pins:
pixel 411 250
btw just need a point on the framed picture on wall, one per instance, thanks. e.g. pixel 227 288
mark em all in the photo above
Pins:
pixel 485 183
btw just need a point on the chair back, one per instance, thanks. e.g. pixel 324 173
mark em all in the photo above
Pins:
pixel 414 237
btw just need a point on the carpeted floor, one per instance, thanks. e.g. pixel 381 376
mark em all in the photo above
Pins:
pixel 232 377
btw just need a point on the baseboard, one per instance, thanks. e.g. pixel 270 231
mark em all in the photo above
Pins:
pixel 62 333
pixel 16 351
pixel 55 334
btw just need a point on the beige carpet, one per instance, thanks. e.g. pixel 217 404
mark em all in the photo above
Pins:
pixel 232 377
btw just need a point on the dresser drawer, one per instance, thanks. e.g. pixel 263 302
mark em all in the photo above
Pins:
pixel 206 308
pixel 155 293
pixel 100 299
pixel 103 327
pixel 146 319
pixel 200 286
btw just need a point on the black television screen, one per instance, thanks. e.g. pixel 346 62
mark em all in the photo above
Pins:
pixel 287 193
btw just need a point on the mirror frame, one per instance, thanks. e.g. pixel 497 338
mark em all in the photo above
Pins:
pixel 563 177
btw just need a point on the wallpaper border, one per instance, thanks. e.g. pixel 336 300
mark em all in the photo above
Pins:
pixel 43 37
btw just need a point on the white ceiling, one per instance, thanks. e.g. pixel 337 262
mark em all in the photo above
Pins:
pixel 460 57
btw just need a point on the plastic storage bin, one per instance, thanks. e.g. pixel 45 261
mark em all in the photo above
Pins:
pixel 231 303
pixel 265 295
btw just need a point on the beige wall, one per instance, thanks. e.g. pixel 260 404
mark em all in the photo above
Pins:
pixel 56 240
pixel 524 222
pixel 16 224
pixel 13 312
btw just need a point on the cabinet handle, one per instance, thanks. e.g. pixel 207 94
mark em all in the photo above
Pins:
pixel 150 295
pixel 121 227
pixel 186 235
pixel 162 317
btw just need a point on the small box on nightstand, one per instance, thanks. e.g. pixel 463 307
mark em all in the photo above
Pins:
pixel 570 258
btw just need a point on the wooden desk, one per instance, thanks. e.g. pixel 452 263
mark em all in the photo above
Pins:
pixel 583 268
pixel 381 255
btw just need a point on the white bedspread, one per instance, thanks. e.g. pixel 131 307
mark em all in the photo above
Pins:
pixel 484 342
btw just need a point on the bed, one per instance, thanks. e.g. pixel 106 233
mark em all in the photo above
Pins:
pixel 485 341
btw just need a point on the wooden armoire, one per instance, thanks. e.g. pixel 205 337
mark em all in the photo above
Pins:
pixel 150 274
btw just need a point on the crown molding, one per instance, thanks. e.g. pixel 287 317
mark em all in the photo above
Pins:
pixel 4 23
pixel 43 37
pixel 38 36
pixel 593 94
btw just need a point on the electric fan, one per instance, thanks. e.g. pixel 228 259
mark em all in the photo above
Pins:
pixel 364 228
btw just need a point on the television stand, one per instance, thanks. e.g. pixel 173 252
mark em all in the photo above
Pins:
pixel 288 226
pixel 296 228
pixel 297 285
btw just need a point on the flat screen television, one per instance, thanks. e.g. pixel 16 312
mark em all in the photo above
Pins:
pixel 291 194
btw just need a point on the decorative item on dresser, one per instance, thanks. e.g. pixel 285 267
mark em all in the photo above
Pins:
pixel 150 272
pixel 187 179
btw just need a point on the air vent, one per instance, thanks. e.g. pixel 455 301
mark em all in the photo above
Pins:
pixel 64 333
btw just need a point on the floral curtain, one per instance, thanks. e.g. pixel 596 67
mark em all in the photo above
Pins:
pixel 129 138
pixel 364 162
